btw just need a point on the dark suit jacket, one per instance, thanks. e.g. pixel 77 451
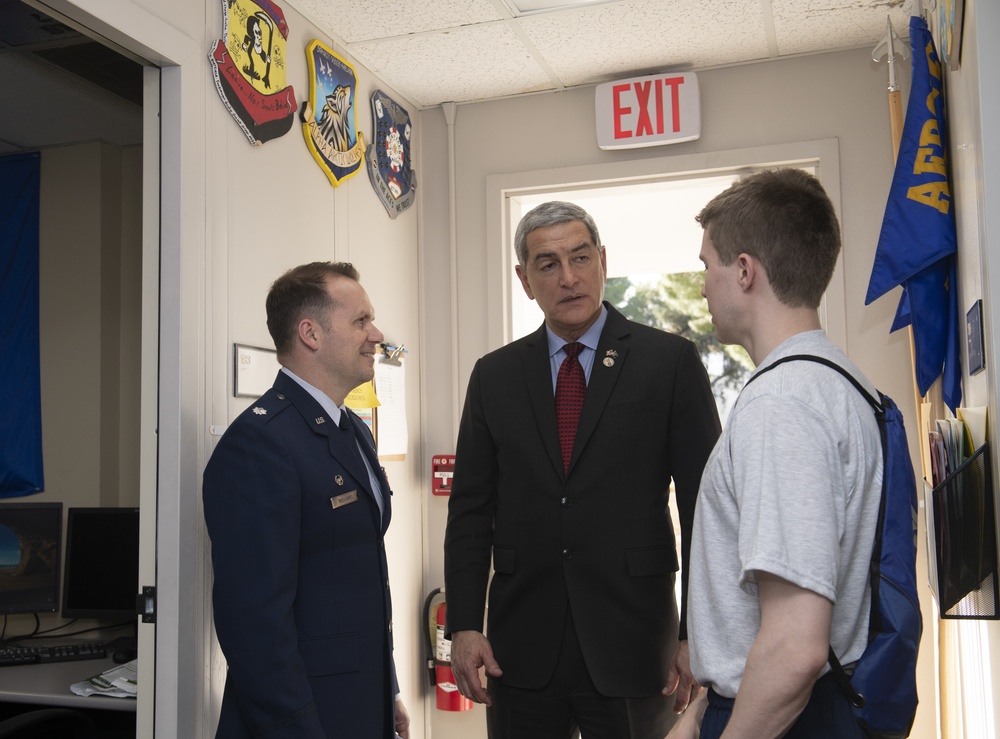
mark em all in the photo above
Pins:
pixel 301 593
pixel 599 539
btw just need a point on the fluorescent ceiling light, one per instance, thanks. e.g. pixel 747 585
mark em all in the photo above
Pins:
pixel 528 7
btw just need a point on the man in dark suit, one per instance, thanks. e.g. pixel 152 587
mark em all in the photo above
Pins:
pixel 297 506
pixel 583 626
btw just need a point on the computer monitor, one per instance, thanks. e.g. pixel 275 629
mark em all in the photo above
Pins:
pixel 101 578
pixel 30 536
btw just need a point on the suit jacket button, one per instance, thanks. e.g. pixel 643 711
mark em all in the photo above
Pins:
pixel 567 554
pixel 566 502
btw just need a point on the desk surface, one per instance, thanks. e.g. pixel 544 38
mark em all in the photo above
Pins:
pixel 48 684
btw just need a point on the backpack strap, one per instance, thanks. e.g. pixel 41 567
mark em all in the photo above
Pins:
pixel 840 674
pixel 875 404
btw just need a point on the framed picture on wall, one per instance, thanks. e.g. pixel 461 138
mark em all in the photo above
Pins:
pixel 950 16
pixel 254 370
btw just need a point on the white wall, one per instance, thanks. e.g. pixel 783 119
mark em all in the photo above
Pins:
pixel 840 95
pixel 85 241
pixel 87 245
pixel 974 117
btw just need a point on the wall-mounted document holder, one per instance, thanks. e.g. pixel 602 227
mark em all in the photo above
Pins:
pixel 966 542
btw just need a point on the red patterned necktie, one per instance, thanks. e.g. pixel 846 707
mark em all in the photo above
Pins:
pixel 571 386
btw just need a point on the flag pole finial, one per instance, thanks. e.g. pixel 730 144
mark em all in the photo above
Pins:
pixel 887 47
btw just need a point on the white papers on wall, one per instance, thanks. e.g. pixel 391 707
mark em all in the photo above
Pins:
pixel 390 386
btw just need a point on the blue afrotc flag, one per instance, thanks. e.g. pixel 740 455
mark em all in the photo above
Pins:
pixel 21 471
pixel 917 245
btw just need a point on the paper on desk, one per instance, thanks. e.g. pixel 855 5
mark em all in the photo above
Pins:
pixel 118 682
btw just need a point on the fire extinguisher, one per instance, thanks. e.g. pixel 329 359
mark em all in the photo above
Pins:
pixel 439 656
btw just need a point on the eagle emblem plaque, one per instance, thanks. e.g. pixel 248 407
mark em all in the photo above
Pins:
pixel 329 118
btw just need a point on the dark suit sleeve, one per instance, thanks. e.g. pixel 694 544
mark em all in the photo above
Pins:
pixel 694 429
pixel 471 509
pixel 252 511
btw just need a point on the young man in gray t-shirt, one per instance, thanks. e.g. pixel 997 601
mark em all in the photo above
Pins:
pixel 788 504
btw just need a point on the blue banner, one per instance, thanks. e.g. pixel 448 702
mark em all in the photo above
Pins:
pixel 21 471
pixel 917 245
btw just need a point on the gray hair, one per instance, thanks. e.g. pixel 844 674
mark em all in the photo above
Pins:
pixel 548 214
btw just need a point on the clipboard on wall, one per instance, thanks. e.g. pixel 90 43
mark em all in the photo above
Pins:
pixel 381 403
pixel 390 383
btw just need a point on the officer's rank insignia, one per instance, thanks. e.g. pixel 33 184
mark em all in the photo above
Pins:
pixel 329 120
pixel 389 155
pixel 249 68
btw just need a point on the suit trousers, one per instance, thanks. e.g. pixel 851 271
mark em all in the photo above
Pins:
pixel 570 706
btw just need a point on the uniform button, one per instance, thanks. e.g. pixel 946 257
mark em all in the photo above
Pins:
pixel 387 583
pixel 390 627
pixel 566 502
pixel 567 554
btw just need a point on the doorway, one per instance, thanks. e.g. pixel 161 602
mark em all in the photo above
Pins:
pixel 81 101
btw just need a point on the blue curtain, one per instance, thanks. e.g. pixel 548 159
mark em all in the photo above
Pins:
pixel 21 471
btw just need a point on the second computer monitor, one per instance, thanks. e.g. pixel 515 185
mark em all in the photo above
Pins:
pixel 101 573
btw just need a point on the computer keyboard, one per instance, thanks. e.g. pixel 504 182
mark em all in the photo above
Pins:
pixel 26 655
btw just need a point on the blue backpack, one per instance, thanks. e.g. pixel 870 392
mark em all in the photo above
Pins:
pixel 883 686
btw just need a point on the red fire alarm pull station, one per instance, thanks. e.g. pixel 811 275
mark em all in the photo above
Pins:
pixel 442 469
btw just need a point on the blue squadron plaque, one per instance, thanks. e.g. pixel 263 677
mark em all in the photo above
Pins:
pixel 389 166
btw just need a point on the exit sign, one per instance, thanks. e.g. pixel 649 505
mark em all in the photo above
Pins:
pixel 648 111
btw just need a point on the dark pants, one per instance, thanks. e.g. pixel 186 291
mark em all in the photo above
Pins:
pixel 570 703
pixel 828 715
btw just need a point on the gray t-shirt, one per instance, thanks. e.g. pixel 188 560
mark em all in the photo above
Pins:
pixel 792 488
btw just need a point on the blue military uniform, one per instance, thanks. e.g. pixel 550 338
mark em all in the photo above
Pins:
pixel 301 592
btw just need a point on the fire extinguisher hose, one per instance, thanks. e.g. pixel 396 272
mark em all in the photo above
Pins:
pixel 430 640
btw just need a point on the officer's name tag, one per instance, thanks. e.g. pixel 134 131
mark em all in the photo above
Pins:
pixel 339 500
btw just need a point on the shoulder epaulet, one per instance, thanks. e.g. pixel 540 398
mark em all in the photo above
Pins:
pixel 267 406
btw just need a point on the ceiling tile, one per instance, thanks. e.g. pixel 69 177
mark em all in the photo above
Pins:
pixel 605 42
pixel 464 64
pixel 802 26
pixel 364 20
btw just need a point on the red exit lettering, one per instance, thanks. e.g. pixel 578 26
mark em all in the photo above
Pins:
pixel 644 122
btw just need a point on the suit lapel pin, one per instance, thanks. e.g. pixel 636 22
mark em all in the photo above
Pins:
pixel 339 480
pixel 609 358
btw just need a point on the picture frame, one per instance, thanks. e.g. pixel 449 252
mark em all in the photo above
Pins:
pixel 950 18
pixel 254 370
pixel 975 338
